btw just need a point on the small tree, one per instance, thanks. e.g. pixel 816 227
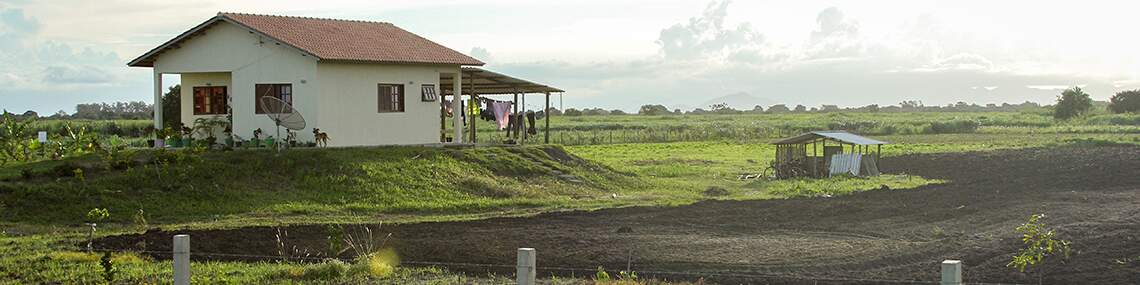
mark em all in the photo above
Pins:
pixel 653 110
pixel 171 106
pixel 1125 102
pixel 95 216
pixel 1072 103
pixel 1040 242
pixel 778 108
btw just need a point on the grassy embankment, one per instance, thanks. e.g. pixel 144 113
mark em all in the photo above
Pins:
pixel 43 202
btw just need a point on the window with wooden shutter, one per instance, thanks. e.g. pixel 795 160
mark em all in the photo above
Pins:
pixel 279 91
pixel 390 98
pixel 428 93
pixel 210 100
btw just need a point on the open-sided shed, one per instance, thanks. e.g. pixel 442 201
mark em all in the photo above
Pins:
pixel 795 159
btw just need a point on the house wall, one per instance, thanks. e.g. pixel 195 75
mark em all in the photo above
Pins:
pixel 186 102
pixel 349 104
pixel 339 98
pixel 249 59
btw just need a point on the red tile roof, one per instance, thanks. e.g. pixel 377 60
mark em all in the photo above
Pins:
pixel 335 40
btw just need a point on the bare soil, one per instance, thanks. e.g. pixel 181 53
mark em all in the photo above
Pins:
pixel 1091 195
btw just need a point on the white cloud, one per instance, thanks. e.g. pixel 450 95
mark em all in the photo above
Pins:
pixel 706 37
pixel 623 53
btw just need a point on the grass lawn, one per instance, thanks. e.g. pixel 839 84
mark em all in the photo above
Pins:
pixel 43 203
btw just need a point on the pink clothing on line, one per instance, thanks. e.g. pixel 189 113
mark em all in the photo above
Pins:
pixel 501 111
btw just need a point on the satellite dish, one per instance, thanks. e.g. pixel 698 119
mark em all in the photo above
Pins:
pixel 283 115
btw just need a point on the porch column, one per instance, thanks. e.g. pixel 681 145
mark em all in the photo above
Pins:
pixel 457 106
pixel 157 99
pixel 546 113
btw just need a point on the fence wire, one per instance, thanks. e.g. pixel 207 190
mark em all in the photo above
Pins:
pixel 650 271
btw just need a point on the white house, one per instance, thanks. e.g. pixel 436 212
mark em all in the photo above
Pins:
pixel 363 83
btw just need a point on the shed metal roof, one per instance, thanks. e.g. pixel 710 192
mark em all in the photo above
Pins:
pixel 486 82
pixel 841 136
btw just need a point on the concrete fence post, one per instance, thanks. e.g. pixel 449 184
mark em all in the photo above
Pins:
pixel 182 260
pixel 951 272
pixel 526 267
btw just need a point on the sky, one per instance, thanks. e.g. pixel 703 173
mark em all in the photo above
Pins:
pixel 620 54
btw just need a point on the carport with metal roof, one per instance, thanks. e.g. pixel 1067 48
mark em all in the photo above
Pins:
pixel 476 82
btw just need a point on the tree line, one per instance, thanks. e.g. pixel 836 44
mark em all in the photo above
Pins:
pixel 1072 102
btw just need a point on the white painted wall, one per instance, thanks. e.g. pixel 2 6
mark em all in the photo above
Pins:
pixel 250 60
pixel 339 98
pixel 349 100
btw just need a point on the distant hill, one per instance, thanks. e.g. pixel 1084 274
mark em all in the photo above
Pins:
pixel 739 101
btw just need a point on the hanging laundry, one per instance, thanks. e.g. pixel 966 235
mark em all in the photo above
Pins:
pixel 530 122
pixel 502 111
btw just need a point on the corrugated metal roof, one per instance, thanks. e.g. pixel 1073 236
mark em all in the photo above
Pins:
pixel 486 82
pixel 835 135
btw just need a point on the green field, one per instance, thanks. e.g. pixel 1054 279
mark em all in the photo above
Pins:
pixel 43 202
pixel 750 127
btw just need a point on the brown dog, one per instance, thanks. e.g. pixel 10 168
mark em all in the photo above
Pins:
pixel 321 137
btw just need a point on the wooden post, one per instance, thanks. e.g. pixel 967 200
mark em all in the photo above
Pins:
pixel 546 130
pixel 514 128
pixel 182 260
pixel 878 155
pixel 472 106
pixel 522 119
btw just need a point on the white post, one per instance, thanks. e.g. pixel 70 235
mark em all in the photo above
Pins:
pixel 157 99
pixel 526 267
pixel 182 260
pixel 951 272
pixel 456 106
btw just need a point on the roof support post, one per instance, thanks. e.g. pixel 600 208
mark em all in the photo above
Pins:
pixel 546 114
pixel 513 129
pixel 473 107
pixel 457 105
pixel 157 101
pixel 878 155
pixel 522 120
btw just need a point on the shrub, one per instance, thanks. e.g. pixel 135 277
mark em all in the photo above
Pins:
pixel 715 191
pixel 1125 102
pixel 1072 103
pixel 954 127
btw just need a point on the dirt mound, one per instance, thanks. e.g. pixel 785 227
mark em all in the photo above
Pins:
pixel 1089 195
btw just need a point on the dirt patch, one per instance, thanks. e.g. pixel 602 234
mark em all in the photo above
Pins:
pixel 1089 194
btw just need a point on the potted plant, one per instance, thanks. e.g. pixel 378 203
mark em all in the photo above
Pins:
pixel 255 141
pixel 269 141
pixel 175 139
pixel 187 136
pixel 149 131
pixel 208 128
pixel 291 138
pixel 229 132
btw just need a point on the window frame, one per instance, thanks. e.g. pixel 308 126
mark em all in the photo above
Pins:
pixel 400 96
pixel 276 92
pixel 211 103
pixel 428 93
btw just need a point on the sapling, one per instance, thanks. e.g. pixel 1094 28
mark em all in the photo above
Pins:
pixel 95 216
pixel 1040 242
